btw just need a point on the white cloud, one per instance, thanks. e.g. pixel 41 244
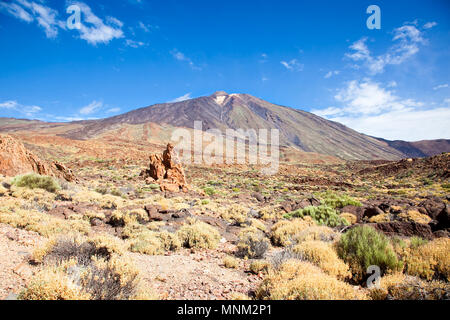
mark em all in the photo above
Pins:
pixel 46 17
pixel 17 11
pixel 370 108
pixel 292 65
pixel 441 86
pixel 94 30
pixel 407 42
pixel 408 125
pixel 113 110
pixel 29 111
pixel 429 25
pixel 331 73
pixel 180 56
pixel 146 28
pixel 91 108
pixel 187 96
pixel 134 44
pixel 9 104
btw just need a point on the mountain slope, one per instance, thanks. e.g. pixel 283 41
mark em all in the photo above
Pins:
pixel 299 129
pixel 419 149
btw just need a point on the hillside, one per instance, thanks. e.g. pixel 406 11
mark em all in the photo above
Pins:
pixel 299 129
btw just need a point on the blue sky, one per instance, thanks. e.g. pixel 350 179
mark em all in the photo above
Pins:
pixel 317 56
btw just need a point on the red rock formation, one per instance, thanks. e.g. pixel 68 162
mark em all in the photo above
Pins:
pixel 167 171
pixel 15 159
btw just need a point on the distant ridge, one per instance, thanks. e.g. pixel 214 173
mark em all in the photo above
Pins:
pixel 298 129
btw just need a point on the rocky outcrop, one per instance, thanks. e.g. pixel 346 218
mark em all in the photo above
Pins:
pixel 15 159
pixel 167 171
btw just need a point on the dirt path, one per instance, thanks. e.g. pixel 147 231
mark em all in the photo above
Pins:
pixel 188 276
pixel 15 246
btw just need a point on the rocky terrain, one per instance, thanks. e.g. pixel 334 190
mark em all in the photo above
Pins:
pixel 131 214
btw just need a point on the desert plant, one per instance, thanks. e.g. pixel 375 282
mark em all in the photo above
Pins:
pixel 298 280
pixel 210 191
pixel 323 255
pixel 337 201
pixel 230 262
pixel 252 243
pixel 429 261
pixel 399 286
pixel 351 218
pixel 362 247
pixel 35 181
pixel 322 215
pixel 197 234
pixel 284 231
pixel 258 266
pixel 320 233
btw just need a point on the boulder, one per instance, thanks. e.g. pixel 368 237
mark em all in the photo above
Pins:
pixel 372 211
pixel 167 171
pixel 404 229
pixel 15 160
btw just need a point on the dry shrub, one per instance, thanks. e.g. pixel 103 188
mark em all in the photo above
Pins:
pixel 236 214
pixel 259 266
pixel 36 181
pixel 65 248
pixel 197 234
pixel 379 218
pixel 52 283
pixel 74 269
pixel 415 216
pixel 230 262
pixel 429 261
pixel 298 280
pixel 257 224
pixel 319 233
pixel 283 232
pixel 322 255
pixel 113 280
pixel 399 286
pixel 42 223
pixel 143 240
pixel 349 217
pixel 252 243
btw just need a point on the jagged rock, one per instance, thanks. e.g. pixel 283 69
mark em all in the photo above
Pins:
pixel 167 171
pixel 15 159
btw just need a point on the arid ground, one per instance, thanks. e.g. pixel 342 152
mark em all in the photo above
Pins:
pixel 308 232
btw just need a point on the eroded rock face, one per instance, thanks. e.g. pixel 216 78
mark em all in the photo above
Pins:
pixel 167 171
pixel 15 159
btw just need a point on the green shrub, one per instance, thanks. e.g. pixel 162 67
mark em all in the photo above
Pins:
pixel 322 215
pixel 209 191
pixel 35 181
pixel 362 247
pixel 337 200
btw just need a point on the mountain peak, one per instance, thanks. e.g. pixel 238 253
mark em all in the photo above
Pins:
pixel 219 94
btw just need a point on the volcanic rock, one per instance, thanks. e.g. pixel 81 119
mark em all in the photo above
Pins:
pixel 404 228
pixel 15 159
pixel 167 171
